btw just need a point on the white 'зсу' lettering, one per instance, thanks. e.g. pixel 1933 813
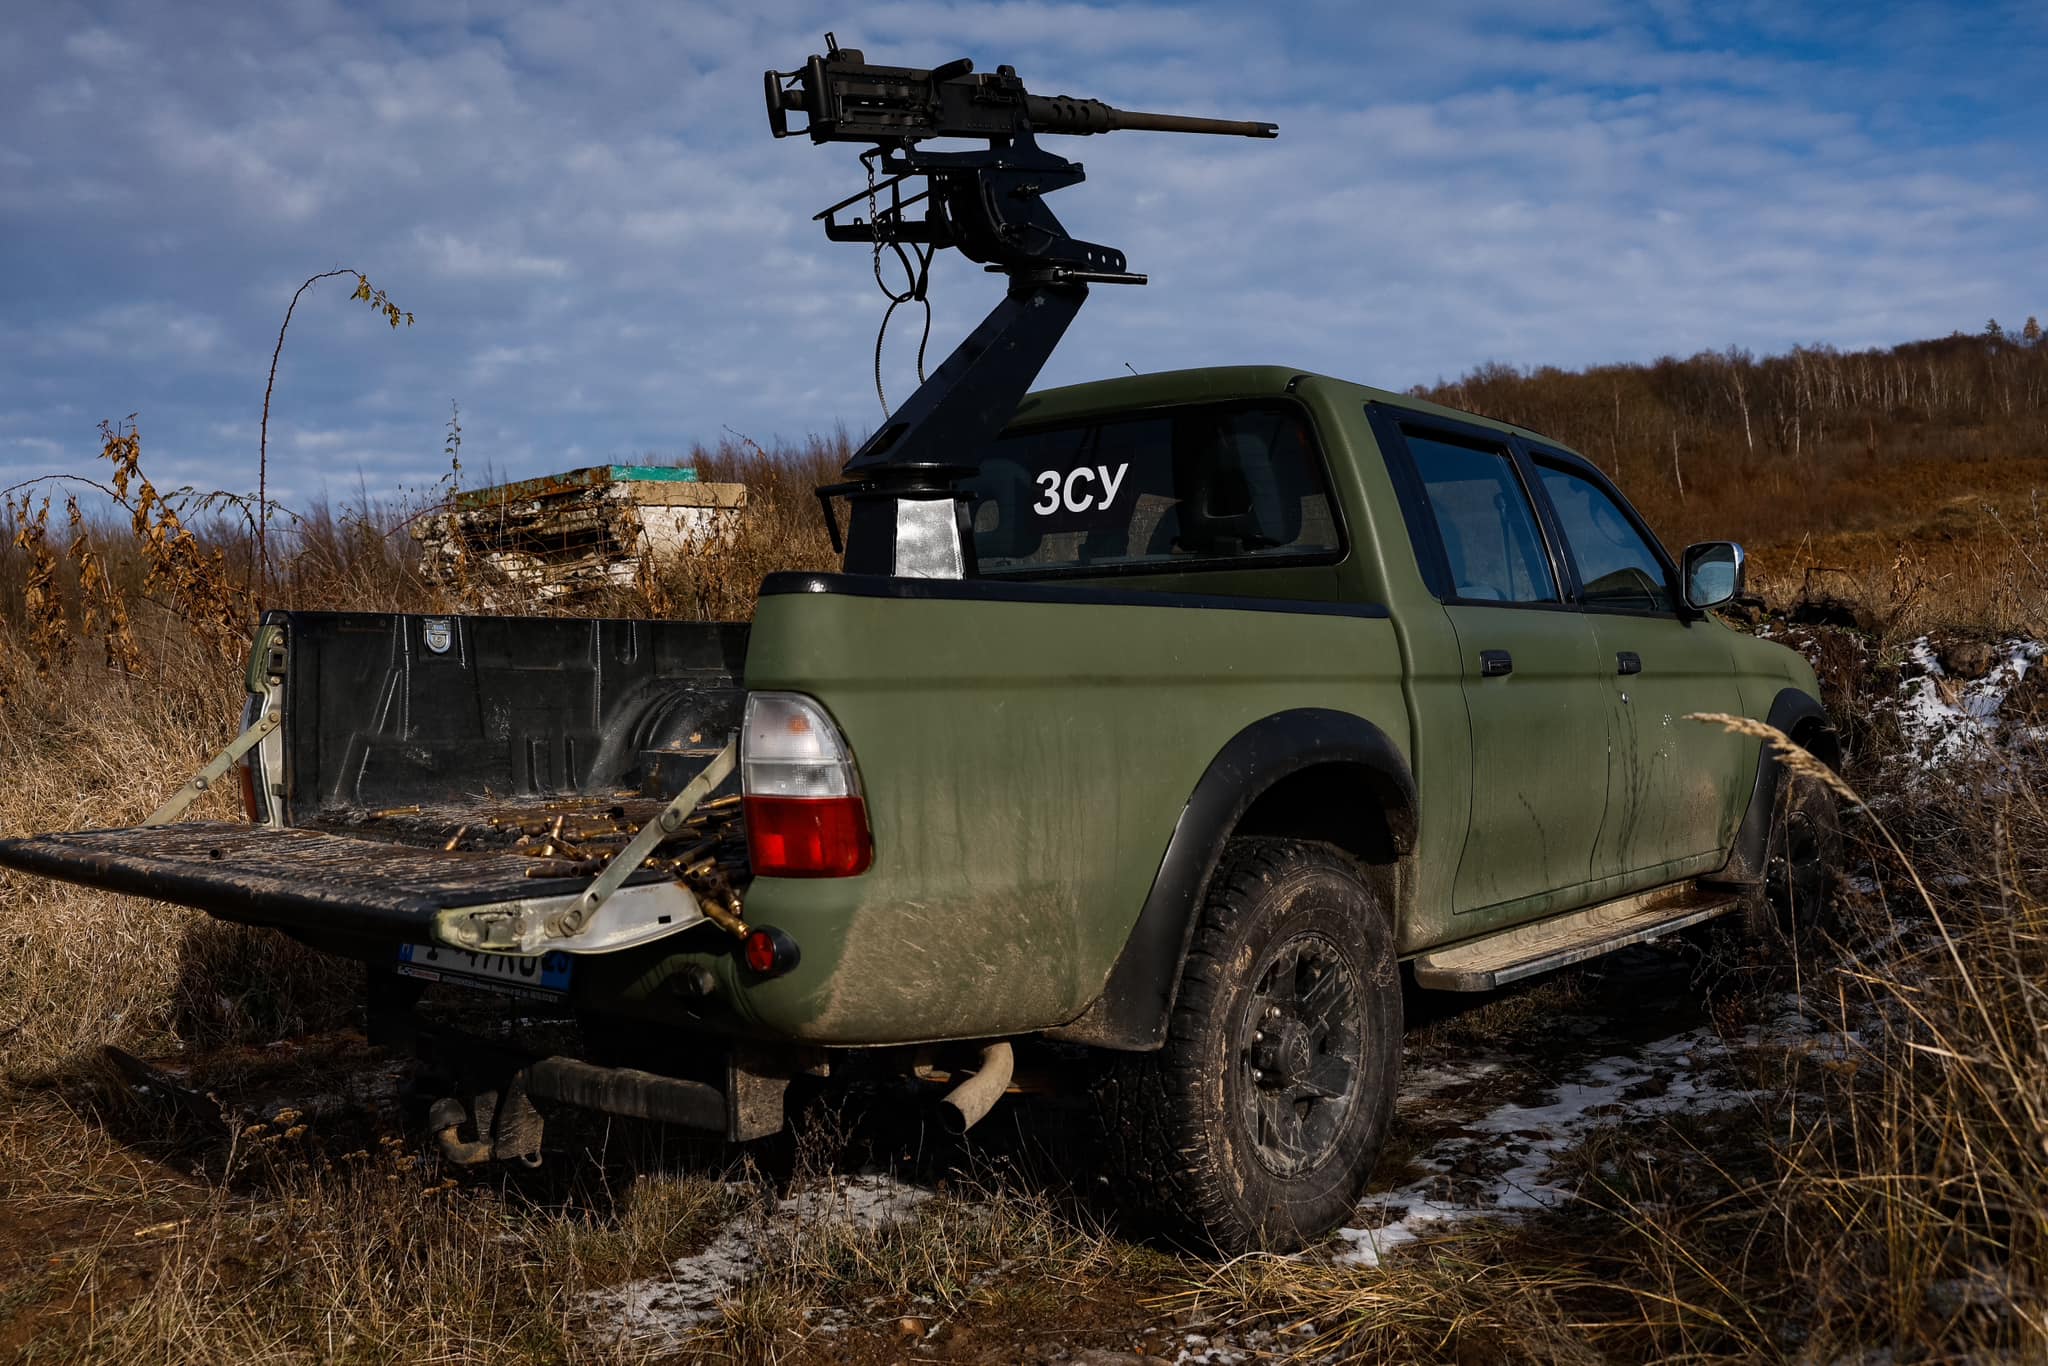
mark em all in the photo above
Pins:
pixel 1056 491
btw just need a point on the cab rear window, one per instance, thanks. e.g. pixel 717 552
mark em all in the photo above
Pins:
pixel 1178 489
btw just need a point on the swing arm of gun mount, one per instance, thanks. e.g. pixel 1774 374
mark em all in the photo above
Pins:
pixel 907 515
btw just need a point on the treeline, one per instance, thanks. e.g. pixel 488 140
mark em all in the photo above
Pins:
pixel 1726 436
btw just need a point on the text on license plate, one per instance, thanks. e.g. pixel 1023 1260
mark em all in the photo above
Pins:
pixel 546 975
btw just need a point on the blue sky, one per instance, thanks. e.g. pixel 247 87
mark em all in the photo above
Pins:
pixel 608 255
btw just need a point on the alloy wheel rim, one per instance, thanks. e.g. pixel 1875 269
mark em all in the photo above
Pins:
pixel 1298 1055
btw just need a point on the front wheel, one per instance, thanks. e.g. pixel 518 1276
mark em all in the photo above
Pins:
pixel 1256 1125
pixel 1802 854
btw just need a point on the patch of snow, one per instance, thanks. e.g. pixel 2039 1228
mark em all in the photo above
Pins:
pixel 1523 1142
pixel 661 1313
pixel 1224 1349
pixel 1943 720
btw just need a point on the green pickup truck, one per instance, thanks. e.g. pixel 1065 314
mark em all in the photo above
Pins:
pixel 1262 692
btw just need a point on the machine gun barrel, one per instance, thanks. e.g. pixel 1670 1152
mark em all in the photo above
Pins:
pixel 1065 114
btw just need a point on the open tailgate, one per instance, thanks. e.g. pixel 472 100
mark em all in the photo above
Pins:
pixel 314 880
pixel 361 894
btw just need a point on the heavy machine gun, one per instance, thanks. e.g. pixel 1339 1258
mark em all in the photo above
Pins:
pixel 907 514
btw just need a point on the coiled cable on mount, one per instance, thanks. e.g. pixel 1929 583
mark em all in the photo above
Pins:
pixel 917 274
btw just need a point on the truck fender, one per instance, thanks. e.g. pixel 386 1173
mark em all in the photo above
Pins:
pixel 1803 718
pixel 1132 1011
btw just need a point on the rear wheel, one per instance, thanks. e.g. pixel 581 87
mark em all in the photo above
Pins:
pixel 1258 1122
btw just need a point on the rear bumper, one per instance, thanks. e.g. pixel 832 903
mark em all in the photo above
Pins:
pixel 744 1100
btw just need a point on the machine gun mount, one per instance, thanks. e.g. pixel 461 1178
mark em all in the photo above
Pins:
pixel 908 516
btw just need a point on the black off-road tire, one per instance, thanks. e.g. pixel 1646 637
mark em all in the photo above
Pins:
pixel 1802 857
pixel 1257 1125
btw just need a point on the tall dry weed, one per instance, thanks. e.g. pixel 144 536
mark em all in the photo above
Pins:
pixel 42 611
pixel 192 576
pixel 103 608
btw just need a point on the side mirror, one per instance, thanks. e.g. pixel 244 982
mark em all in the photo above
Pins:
pixel 1713 572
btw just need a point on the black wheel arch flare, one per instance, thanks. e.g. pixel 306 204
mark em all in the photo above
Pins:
pixel 1800 715
pixel 1131 1013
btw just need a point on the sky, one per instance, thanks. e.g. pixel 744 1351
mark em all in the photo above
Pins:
pixel 608 257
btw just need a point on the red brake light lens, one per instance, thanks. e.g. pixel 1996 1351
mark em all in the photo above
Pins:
pixel 808 836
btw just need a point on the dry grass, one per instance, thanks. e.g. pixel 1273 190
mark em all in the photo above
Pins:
pixel 1886 1197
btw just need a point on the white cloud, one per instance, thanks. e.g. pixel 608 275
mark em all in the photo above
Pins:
pixel 101 48
pixel 606 253
pixel 444 253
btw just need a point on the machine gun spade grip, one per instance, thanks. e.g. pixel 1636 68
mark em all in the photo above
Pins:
pixel 778 113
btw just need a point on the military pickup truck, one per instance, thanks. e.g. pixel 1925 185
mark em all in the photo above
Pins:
pixel 1265 692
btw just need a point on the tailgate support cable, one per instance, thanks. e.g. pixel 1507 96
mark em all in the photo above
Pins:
pixel 214 770
pixel 635 853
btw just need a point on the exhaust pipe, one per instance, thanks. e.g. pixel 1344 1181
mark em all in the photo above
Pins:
pixel 507 1127
pixel 447 1115
pixel 967 1104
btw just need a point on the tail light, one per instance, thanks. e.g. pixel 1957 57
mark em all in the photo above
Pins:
pixel 247 773
pixel 805 813
pixel 249 768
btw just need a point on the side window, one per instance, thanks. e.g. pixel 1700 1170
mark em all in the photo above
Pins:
pixel 1620 569
pixel 1484 520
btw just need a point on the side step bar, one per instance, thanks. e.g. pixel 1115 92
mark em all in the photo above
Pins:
pixel 1494 960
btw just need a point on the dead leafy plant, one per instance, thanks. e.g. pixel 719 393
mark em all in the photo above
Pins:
pixel 103 610
pixel 193 577
pixel 49 636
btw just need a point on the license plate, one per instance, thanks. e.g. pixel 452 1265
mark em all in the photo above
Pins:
pixel 547 975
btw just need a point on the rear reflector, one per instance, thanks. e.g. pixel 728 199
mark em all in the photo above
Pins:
pixel 808 836
pixel 769 951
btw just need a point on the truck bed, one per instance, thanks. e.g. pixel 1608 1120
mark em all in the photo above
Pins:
pixel 435 763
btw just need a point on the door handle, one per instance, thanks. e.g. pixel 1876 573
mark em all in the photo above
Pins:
pixel 1495 663
pixel 1627 662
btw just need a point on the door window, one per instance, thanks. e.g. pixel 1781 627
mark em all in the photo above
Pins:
pixel 1619 569
pixel 1485 522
